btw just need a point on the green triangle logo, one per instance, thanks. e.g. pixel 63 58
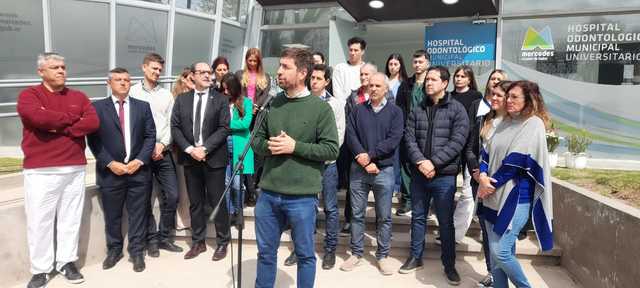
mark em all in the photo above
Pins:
pixel 533 39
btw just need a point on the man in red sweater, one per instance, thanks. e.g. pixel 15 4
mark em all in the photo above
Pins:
pixel 55 121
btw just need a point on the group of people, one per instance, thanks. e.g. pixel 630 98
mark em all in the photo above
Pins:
pixel 348 126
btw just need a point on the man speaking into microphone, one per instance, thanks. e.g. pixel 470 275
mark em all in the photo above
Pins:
pixel 296 137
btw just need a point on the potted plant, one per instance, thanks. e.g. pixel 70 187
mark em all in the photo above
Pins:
pixel 553 140
pixel 577 144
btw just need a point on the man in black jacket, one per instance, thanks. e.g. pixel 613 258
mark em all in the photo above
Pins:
pixel 435 135
pixel 410 95
pixel 199 127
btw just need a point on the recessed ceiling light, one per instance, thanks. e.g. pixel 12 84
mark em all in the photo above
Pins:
pixel 376 4
pixel 449 2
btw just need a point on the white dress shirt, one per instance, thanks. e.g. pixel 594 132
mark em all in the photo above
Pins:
pixel 127 124
pixel 205 98
pixel 161 102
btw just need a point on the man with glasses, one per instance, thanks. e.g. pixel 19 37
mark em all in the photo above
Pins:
pixel 199 127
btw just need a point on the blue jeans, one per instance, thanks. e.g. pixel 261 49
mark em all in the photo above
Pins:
pixel 273 211
pixel 235 198
pixel 381 184
pixel 329 196
pixel 504 264
pixel 441 190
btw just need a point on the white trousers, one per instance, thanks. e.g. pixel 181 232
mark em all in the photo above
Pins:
pixel 51 197
pixel 464 209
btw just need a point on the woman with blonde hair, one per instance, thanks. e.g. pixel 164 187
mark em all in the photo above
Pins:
pixel 183 84
pixel 255 82
pixel 485 113
pixel 515 181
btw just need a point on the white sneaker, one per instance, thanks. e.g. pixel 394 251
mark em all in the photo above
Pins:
pixel 351 263
pixel 384 265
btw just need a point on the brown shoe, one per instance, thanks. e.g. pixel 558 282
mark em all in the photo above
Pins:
pixel 195 250
pixel 220 253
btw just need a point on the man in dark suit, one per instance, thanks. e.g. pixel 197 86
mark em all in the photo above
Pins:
pixel 199 127
pixel 122 146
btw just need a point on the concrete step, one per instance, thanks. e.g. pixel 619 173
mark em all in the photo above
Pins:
pixel 401 243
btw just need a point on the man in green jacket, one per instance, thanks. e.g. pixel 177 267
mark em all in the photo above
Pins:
pixel 296 138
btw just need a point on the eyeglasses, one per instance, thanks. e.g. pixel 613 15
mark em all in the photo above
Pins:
pixel 203 72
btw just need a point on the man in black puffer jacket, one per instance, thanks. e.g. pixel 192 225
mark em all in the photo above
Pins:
pixel 435 135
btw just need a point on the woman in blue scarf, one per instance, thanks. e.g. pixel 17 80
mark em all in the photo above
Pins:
pixel 519 186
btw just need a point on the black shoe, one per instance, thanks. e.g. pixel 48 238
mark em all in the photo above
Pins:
pixel 291 260
pixel 251 201
pixel 112 258
pixel 522 234
pixel 412 264
pixel 38 281
pixel 346 229
pixel 138 263
pixel 405 210
pixel 169 246
pixel 152 250
pixel 70 272
pixel 487 281
pixel 452 276
pixel 328 261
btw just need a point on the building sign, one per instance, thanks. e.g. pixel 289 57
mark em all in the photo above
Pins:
pixel 458 43
pixel 601 42
pixel 537 45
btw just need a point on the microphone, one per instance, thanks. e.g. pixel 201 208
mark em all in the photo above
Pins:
pixel 267 101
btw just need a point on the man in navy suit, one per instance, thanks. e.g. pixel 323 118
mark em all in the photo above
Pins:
pixel 199 127
pixel 123 146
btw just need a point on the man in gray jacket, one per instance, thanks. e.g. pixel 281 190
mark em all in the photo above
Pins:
pixel 435 135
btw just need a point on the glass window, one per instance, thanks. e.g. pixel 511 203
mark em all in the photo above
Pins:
pixel 273 42
pixel 588 68
pixel 231 44
pixel 192 41
pixel 156 1
pixel 22 38
pixel 9 95
pixel 139 31
pixel 244 11
pixel 527 6
pixel 230 9
pixel 206 6
pixel 297 16
pixel 86 50
pixel 10 131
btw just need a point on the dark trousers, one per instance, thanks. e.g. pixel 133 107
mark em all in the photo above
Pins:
pixel 483 227
pixel 344 166
pixel 135 196
pixel 405 186
pixel 164 171
pixel 206 185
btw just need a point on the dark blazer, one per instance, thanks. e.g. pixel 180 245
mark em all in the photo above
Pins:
pixel 107 145
pixel 215 128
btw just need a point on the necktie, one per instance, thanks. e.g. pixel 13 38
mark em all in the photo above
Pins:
pixel 121 116
pixel 196 129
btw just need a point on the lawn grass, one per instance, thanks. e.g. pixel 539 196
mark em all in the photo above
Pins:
pixel 623 185
pixel 10 165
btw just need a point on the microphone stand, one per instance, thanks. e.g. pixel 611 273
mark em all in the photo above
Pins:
pixel 239 217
